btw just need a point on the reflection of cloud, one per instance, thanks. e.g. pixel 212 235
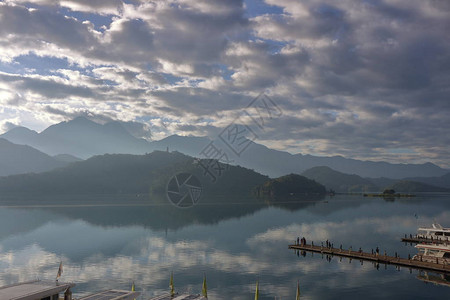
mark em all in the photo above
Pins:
pixel 349 233
pixel 148 259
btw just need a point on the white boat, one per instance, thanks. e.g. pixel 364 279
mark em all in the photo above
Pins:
pixel 434 253
pixel 435 233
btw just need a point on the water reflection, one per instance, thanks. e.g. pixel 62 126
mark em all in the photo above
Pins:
pixel 111 246
pixel 434 278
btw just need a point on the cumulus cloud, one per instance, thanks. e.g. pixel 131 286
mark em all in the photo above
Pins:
pixel 361 79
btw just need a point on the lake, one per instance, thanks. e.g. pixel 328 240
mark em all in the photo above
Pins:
pixel 111 241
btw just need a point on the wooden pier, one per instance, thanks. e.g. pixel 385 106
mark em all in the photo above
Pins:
pixel 376 258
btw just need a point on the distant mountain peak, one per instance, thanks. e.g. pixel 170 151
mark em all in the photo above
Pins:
pixel 21 129
pixel 81 119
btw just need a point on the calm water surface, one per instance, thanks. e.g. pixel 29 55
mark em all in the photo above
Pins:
pixel 109 242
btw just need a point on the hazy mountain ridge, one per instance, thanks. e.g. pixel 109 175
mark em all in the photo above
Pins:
pixel 83 138
pixel 343 183
pixel 275 163
pixel 80 137
pixel 407 186
pixel 442 181
pixel 66 158
pixel 340 182
pixel 18 159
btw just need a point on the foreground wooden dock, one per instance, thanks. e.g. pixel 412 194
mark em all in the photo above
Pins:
pixel 376 258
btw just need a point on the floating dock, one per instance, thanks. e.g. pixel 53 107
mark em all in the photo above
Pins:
pixel 376 258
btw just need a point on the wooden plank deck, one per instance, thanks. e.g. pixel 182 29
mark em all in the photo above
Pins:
pixel 381 259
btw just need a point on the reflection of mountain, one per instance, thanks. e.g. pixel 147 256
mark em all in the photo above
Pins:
pixel 155 213
pixel 163 216
pixel 31 219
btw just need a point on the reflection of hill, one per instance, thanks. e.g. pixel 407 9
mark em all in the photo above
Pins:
pixel 165 216
pixel 159 217
pixel 293 203
pixel 157 213
pixel 31 220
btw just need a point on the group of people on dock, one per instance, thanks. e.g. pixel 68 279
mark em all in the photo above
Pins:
pixel 301 241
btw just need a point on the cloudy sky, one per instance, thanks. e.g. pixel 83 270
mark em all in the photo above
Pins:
pixel 363 79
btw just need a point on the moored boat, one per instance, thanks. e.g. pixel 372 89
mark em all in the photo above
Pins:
pixel 435 233
pixel 433 253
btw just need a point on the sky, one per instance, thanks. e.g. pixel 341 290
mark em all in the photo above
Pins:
pixel 362 79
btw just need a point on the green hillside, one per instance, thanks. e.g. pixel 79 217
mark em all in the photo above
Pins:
pixel 290 185
pixel 124 173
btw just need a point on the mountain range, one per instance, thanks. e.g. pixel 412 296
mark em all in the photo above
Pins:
pixel 84 138
pixel 345 183
pixel 17 159
pixel 79 137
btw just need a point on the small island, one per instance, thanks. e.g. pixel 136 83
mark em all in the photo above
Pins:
pixel 389 193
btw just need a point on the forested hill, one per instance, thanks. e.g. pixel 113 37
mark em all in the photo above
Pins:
pixel 124 173
pixel 290 185
pixel 340 182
